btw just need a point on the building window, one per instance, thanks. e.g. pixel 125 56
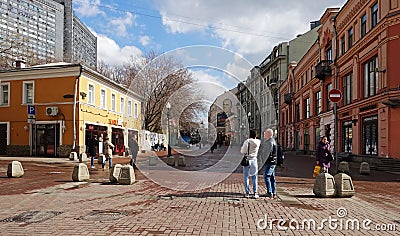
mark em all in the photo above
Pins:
pixel 370 77
pixel 91 94
pixel 328 89
pixel 5 94
pixel 122 106
pixel 103 98
pixel 347 137
pixel 297 112
pixel 28 92
pixel 350 38
pixel 342 45
pixel 374 15
pixel 306 139
pixel 317 136
pixel 328 53
pixel 363 25
pixel 318 103
pixel 129 108
pixel 307 108
pixel 113 102
pixel 347 94
pixel 370 135
pixel 136 111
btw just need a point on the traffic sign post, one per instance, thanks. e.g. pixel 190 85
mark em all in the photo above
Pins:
pixel 335 95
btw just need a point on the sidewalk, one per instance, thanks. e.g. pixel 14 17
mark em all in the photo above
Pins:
pixel 55 205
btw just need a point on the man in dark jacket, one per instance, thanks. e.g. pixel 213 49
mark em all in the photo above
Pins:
pixel 134 148
pixel 92 145
pixel 267 154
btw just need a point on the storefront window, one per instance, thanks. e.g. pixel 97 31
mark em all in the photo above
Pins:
pixel 370 135
pixel 347 137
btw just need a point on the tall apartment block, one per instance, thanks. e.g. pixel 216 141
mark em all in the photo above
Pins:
pixel 47 30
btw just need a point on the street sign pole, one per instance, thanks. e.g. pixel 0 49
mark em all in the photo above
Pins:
pixel 335 96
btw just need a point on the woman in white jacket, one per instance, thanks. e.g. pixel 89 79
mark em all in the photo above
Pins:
pixel 251 146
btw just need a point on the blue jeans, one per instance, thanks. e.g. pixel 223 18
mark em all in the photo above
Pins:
pixel 269 178
pixel 246 177
pixel 92 161
pixel 109 162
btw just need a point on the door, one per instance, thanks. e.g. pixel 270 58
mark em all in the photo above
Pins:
pixel 3 139
pixel 47 139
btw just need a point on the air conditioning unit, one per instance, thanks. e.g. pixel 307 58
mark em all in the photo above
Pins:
pixel 51 111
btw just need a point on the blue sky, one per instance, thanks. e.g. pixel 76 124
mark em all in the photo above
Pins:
pixel 240 33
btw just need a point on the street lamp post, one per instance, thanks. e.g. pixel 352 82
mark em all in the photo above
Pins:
pixel 168 106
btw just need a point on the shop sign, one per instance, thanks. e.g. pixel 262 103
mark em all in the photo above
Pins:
pixel 118 122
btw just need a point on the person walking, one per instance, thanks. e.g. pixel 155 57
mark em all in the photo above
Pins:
pixel 323 153
pixel 250 147
pixel 92 144
pixel 108 146
pixel 267 155
pixel 134 148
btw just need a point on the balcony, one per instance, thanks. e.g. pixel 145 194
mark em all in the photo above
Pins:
pixel 287 98
pixel 272 83
pixel 323 69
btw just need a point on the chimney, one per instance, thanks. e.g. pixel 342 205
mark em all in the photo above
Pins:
pixel 20 63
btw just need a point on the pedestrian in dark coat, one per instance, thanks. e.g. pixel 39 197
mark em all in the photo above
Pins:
pixel 323 153
pixel 92 145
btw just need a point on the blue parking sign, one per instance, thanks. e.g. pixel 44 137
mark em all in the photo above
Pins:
pixel 31 110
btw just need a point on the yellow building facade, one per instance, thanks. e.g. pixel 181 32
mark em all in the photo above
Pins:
pixel 53 109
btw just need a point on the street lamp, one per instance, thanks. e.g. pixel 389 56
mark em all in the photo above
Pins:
pixel 168 106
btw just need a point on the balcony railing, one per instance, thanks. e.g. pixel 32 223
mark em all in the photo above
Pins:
pixel 287 98
pixel 272 82
pixel 323 69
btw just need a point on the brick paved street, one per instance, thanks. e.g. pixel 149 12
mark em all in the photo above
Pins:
pixel 45 201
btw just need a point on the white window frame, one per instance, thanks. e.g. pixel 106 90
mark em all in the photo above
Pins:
pixel 122 105
pixel 1 93
pixel 24 83
pixel 113 102
pixel 136 110
pixel 129 108
pixel 91 95
pixel 103 101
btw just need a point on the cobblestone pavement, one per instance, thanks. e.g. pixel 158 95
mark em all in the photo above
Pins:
pixel 45 201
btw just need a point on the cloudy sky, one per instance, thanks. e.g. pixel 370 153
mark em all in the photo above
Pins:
pixel 243 31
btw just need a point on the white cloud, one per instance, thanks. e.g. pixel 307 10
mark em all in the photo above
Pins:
pixel 144 40
pixel 251 28
pixel 111 53
pixel 88 8
pixel 122 23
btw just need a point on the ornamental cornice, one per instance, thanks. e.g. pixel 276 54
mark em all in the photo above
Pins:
pixel 351 14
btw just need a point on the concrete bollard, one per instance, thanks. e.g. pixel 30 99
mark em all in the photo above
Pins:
pixel 114 173
pixel 83 157
pixel 182 161
pixel 344 185
pixel 126 175
pixel 152 161
pixel 15 170
pixel 73 156
pixel 101 159
pixel 364 168
pixel 343 167
pixel 324 185
pixel 80 173
pixel 171 161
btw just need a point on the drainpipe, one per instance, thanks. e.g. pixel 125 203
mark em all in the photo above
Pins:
pixel 336 86
pixel 75 103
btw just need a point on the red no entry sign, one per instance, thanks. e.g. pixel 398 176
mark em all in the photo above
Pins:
pixel 335 95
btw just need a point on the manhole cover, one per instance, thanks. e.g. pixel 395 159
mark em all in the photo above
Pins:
pixel 100 215
pixel 33 216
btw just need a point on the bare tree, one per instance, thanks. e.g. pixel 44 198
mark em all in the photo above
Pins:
pixel 157 78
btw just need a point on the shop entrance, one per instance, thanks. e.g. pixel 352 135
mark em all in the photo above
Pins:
pixel 117 138
pixel 47 139
pixel 3 139
pixel 100 131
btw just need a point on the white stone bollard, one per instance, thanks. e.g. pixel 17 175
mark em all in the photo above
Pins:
pixel 364 168
pixel 343 167
pixel 114 173
pixel 182 161
pixel 171 161
pixel 344 185
pixel 80 173
pixel 126 175
pixel 83 157
pixel 152 160
pixel 15 170
pixel 324 185
pixel 73 156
